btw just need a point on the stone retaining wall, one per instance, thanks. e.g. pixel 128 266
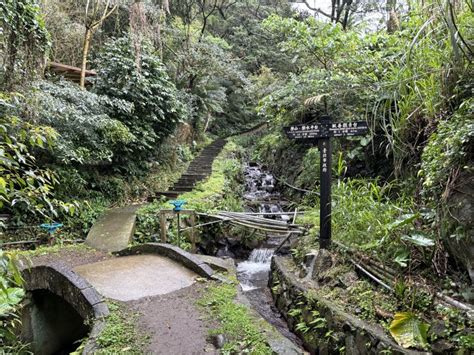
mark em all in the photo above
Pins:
pixel 323 326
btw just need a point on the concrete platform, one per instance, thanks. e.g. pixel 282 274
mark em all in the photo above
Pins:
pixel 114 230
pixel 130 278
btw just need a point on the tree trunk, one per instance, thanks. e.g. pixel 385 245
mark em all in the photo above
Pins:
pixel 85 52
pixel 208 120
pixel 393 23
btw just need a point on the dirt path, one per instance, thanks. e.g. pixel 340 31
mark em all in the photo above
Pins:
pixel 175 323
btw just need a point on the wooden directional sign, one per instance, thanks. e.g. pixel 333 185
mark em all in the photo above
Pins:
pixel 326 130
pixel 322 132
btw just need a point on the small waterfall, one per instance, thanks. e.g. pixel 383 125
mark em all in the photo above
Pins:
pixel 253 273
pixel 261 256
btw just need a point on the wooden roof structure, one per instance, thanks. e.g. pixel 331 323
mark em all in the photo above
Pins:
pixel 69 72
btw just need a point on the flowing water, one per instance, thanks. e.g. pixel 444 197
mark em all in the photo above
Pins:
pixel 253 273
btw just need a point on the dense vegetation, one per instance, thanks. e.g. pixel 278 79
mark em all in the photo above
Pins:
pixel 171 75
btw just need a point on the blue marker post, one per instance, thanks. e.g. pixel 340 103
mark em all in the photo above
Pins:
pixel 51 228
pixel 178 206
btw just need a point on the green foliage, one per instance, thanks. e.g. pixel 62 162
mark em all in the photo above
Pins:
pixel 310 169
pixel 154 98
pixel 11 294
pixel 243 333
pixel 448 154
pixel 248 39
pixel 213 79
pixel 26 189
pixel 89 136
pixel 23 40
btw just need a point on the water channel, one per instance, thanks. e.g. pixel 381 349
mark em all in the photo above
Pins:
pixel 253 274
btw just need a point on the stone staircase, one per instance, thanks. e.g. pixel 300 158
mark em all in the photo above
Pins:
pixel 199 169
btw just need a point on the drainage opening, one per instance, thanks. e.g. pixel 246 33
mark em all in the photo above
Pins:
pixel 51 325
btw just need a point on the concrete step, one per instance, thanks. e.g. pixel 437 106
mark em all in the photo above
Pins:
pixel 199 169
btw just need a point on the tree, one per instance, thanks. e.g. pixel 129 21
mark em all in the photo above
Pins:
pixel 156 104
pixel 96 12
pixel 23 39
pixel 340 11
pixel 392 22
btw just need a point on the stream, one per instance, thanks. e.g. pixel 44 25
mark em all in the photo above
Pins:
pixel 253 274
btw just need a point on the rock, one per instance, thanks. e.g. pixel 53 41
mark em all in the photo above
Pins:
pixel 460 212
pixel 308 262
pixel 219 341
pixel 223 252
pixel 322 263
pixel 437 329
pixel 442 346
pixel 224 264
pixel 348 279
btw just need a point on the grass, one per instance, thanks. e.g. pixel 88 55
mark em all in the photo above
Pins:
pixel 242 332
pixel 370 217
pixel 120 334
pixel 54 249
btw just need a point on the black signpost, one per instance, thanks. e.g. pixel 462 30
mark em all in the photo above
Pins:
pixel 322 133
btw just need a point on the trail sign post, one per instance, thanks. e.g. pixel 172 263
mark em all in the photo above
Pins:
pixel 322 132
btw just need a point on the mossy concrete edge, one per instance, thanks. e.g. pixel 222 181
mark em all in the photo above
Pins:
pixel 174 253
pixel 80 294
pixel 346 331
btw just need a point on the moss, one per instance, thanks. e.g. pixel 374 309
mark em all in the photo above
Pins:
pixel 242 331
pixel 55 249
pixel 120 334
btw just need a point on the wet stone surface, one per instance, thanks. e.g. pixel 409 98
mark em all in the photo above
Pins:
pixel 134 277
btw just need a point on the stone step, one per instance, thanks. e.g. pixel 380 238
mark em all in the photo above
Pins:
pixel 200 167
pixel 186 183
pixel 193 175
pixel 201 162
pixel 167 194
pixel 182 188
pixel 206 173
pixel 189 181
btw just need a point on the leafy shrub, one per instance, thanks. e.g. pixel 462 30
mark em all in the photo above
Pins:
pixel 89 134
pixel 26 190
pixel 11 295
pixel 156 107
pixel 310 169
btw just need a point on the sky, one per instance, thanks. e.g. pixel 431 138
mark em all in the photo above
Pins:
pixel 373 19
pixel 324 5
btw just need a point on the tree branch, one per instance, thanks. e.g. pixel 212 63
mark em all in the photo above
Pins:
pixel 318 10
